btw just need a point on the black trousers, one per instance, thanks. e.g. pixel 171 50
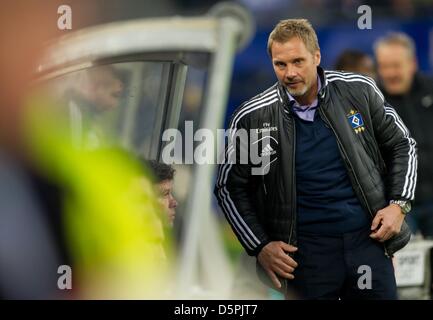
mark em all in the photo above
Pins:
pixel 349 266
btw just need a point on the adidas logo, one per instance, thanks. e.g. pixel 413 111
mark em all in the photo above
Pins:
pixel 267 151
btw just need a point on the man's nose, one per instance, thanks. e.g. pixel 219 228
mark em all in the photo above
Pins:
pixel 290 72
pixel 173 202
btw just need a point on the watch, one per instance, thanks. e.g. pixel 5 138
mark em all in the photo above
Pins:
pixel 403 204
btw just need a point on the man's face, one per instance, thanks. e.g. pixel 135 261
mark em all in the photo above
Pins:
pixel 295 66
pixel 396 68
pixel 166 199
pixel 103 88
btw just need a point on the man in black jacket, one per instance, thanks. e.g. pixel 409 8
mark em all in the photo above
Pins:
pixel 411 94
pixel 338 172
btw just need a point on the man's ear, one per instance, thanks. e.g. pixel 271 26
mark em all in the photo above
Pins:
pixel 317 58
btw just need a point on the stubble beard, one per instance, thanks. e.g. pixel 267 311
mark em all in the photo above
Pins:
pixel 298 92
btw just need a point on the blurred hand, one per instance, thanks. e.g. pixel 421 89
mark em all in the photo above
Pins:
pixel 387 223
pixel 275 260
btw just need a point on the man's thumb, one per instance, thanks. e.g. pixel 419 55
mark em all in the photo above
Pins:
pixel 287 247
pixel 375 222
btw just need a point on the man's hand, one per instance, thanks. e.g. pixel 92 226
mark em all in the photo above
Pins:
pixel 390 220
pixel 274 259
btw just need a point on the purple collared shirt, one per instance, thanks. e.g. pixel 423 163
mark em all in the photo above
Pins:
pixel 306 112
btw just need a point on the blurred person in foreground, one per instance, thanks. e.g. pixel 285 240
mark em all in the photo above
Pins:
pixel 411 93
pixel 355 61
pixel 337 177
pixel 59 204
pixel 31 246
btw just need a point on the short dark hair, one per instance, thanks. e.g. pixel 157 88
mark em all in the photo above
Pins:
pixel 160 170
pixel 349 60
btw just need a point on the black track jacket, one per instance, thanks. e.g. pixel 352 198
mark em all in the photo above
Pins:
pixel 379 153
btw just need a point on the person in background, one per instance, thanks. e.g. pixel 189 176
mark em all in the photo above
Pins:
pixel 355 61
pixel 411 94
pixel 164 175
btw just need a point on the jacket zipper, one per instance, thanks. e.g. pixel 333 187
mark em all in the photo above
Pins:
pixel 294 181
pixel 286 281
pixel 346 158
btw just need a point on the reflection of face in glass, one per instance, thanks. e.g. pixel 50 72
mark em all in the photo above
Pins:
pixel 101 88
